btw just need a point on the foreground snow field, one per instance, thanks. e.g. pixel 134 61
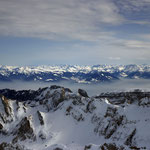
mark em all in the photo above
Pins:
pixel 54 118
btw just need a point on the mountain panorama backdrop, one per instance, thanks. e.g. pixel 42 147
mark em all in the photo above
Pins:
pixel 44 106
pixel 57 118
pixel 75 73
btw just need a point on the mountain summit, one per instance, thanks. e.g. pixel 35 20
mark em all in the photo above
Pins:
pixel 55 118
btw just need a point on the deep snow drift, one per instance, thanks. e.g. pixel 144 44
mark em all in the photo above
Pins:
pixel 54 118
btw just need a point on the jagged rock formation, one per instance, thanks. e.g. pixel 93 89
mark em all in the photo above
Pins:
pixel 5 110
pixel 111 146
pixel 57 119
pixel 105 146
pixel 8 146
pixel 6 105
pixel 83 93
pixel 41 119
pixel 24 131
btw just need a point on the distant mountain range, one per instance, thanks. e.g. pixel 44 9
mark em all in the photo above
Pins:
pixel 75 73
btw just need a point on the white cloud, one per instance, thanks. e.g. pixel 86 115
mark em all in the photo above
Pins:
pixel 145 37
pixel 132 44
pixel 79 20
pixel 133 5
pixel 114 58
pixel 137 44
pixel 57 19
pixel 135 11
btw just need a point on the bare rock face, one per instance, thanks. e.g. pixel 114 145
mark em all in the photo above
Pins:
pixel 6 104
pixel 2 131
pixel 1 126
pixel 83 93
pixel 145 102
pixel 42 136
pixel 57 148
pixel 90 107
pixel 105 146
pixel 5 110
pixel 54 87
pixel 107 125
pixel 58 97
pixel 129 140
pixel 53 96
pixel 87 147
pixel 8 146
pixel 111 146
pixel 24 131
pixel 40 117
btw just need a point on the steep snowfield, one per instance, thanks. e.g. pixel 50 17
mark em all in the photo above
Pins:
pixel 57 119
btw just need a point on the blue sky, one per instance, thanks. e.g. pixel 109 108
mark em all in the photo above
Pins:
pixel 84 32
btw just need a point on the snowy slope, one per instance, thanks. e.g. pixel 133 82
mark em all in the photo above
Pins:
pixel 74 73
pixel 57 119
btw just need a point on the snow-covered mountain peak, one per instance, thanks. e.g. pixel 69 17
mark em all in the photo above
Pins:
pixel 74 73
pixel 55 118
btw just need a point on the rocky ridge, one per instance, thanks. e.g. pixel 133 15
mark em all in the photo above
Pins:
pixel 58 119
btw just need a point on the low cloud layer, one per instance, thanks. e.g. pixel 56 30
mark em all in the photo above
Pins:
pixel 92 89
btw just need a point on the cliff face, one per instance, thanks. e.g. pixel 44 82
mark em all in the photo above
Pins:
pixel 57 119
pixel 6 114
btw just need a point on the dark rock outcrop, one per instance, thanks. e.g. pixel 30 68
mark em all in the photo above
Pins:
pixel 83 93
pixel 6 105
pixel 24 131
pixel 129 140
pixel 57 148
pixel 87 147
pixel 1 126
pixel 58 97
pixel 40 118
pixel 8 146
pixel 111 146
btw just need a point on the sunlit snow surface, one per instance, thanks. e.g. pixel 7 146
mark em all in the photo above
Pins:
pixel 67 132
pixel 74 73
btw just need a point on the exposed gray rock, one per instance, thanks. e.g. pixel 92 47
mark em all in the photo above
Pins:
pixel 129 140
pixel 1 126
pixel 8 146
pixel 24 131
pixel 6 104
pixel 83 93
pixel 87 147
pixel 58 97
pixel 57 148
pixel 111 146
pixel 40 118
